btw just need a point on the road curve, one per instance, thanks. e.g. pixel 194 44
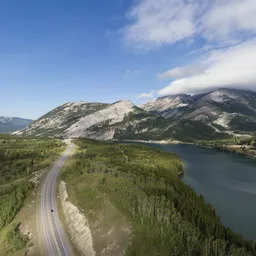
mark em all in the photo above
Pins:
pixel 53 238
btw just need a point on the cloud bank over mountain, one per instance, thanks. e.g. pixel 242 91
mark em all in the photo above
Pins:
pixel 232 67
pixel 227 28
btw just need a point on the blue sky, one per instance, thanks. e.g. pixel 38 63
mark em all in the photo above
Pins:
pixel 52 52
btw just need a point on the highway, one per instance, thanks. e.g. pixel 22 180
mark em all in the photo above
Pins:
pixel 53 238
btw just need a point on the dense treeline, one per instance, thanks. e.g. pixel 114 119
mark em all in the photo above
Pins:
pixel 134 158
pixel 168 217
pixel 19 158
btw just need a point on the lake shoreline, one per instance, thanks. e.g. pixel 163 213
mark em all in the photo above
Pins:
pixel 234 149
pixel 225 180
pixel 164 142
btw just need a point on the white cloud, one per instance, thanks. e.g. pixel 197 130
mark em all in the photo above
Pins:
pixel 227 28
pixel 230 67
pixel 154 23
pixel 149 95
pixel 181 72
pixel 159 22
pixel 227 19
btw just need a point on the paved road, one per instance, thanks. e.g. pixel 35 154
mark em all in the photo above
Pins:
pixel 53 236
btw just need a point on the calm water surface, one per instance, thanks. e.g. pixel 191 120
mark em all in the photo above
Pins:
pixel 226 181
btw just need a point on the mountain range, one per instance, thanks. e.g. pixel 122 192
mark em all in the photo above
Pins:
pixel 11 124
pixel 219 114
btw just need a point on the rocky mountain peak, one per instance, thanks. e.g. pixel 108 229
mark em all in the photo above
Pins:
pixel 167 102
pixel 217 114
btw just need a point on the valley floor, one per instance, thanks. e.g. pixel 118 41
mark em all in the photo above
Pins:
pixel 128 197
pixel 135 204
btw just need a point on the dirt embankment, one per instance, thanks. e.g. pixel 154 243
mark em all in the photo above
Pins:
pixel 78 225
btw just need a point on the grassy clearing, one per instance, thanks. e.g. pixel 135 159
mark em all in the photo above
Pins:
pixel 137 187
pixel 19 156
